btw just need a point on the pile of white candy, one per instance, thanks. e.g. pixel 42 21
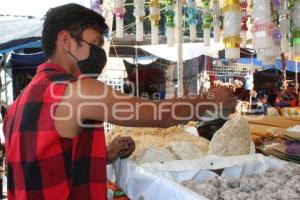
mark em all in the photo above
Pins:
pixel 281 184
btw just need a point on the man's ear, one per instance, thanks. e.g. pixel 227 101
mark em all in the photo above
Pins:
pixel 64 40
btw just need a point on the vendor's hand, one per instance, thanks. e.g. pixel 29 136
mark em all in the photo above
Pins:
pixel 122 146
pixel 224 97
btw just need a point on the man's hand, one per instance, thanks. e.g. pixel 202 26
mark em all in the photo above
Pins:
pixel 122 146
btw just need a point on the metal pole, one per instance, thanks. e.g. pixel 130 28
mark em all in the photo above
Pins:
pixel 5 79
pixel 204 74
pixel 284 66
pixel 108 14
pixel 179 50
pixel 136 72
pixel 296 77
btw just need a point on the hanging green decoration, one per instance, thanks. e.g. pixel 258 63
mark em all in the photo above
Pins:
pixel 206 22
pixel 170 14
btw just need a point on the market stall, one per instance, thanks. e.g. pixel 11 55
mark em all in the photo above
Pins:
pixel 176 163
pixel 241 157
pixel 246 155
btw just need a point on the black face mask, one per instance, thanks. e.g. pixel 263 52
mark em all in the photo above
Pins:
pixel 94 64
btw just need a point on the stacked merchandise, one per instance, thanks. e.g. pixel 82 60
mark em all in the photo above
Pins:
pixel 212 177
pixel 277 136
pixel 286 147
pixel 273 184
pixel 268 127
pixel 162 145
pixel 157 145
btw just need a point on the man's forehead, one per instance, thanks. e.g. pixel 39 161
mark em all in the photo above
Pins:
pixel 90 32
pixel 93 35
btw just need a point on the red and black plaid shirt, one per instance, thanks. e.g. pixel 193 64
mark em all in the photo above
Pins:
pixel 41 164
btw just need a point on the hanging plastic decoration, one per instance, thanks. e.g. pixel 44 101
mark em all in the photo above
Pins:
pixel 216 20
pixel 269 55
pixel 96 6
pixel 296 28
pixel 119 12
pixel 206 20
pixel 192 19
pixel 284 24
pixel 170 24
pixel 139 13
pixel 232 29
pixel 277 4
pixel 262 28
pixel 154 18
pixel 244 4
pixel 277 36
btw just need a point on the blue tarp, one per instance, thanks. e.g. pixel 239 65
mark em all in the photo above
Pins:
pixel 291 64
pixel 26 61
pixel 19 33
pixel 30 44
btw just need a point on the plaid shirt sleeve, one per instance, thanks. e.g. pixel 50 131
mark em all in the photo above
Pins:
pixel 41 164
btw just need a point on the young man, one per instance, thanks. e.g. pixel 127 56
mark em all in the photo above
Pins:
pixel 54 145
pixel 290 94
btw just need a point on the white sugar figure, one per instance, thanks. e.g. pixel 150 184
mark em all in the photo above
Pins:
pixel 232 29
pixel 284 25
pixel 154 18
pixel 119 12
pixel 216 20
pixel 170 14
pixel 139 13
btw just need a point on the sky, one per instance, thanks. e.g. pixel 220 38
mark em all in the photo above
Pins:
pixel 35 8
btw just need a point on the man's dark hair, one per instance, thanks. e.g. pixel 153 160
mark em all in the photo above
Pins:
pixel 290 85
pixel 70 17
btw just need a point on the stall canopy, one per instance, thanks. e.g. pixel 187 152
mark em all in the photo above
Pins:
pixel 190 50
pixel 144 60
pixel 17 30
pixel 36 8
pixel 19 33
